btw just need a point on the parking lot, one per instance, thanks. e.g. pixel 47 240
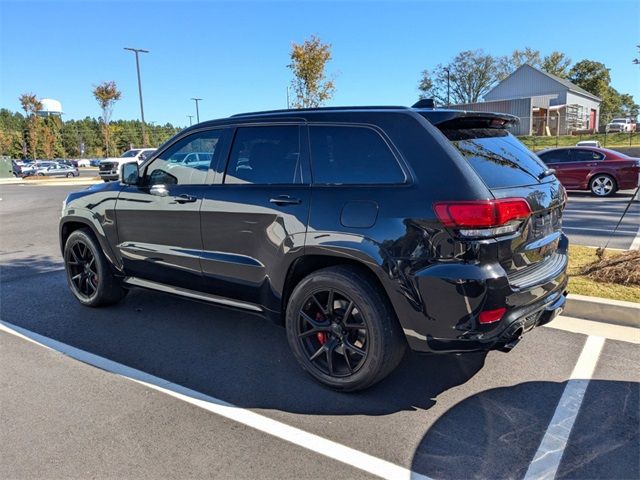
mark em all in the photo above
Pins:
pixel 591 221
pixel 216 392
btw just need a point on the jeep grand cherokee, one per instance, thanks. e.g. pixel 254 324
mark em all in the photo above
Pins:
pixel 363 230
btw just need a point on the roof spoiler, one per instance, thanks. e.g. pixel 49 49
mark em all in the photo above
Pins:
pixel 458 119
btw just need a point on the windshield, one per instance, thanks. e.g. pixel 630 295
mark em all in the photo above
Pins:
pixel 619 120
pixel 497 156
pixel 130 153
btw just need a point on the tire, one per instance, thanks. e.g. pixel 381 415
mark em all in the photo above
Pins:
pixel 89 274
pixel 328 349
pixel 70 175
pixel 41 174
pixel 603 185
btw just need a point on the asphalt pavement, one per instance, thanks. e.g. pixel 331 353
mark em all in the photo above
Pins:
pixel 591 221
pixel 168 388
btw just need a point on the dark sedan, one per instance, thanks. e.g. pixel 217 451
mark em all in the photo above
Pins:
pixel 600 170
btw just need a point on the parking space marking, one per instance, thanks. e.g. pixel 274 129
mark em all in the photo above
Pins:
pixel 320 445
pixel 608 331
pixel 547 459
pixel 635 245
pixel 609 230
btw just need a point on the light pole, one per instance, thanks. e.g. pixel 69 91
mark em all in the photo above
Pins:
pixel 137 51
pixel 197 110
pixel 190 119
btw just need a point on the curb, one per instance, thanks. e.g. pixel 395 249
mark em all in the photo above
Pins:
pixel 52 182
pixel 616 312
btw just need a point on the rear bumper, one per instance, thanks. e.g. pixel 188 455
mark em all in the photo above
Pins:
pixel 454 294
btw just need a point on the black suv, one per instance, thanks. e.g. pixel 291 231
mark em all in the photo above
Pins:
pixel 362 229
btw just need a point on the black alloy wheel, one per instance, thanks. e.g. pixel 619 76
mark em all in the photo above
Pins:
pixel 89 274
pixel 332 331
pixel 342 329
pixel 82 270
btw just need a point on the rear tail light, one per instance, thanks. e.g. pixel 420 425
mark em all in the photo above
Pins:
pixel 483 218
pixel 491 316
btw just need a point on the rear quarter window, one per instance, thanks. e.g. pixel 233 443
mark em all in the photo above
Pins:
pixel 352 155
pixel 499 158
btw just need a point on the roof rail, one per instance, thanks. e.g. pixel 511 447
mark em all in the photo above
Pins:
pixel 322 109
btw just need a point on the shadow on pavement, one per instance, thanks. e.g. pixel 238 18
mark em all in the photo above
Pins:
pixel 231 355
pixel 496 433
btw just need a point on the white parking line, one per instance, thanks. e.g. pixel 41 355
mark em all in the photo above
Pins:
pixel 547 459
pixel 314 443
pixel 635 245
pixel 608 230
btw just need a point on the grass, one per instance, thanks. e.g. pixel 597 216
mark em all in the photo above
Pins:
pixel 579 257
pixel 608 140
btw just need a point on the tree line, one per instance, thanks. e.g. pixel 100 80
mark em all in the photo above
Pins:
pixel 468 76
pixel 464 79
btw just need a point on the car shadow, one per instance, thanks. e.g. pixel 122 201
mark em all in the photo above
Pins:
pixel 228 354
pixel 496 433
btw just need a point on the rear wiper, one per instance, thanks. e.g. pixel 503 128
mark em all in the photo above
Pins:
pixel 547 173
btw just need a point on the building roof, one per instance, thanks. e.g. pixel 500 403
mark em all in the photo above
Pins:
pixel 562 81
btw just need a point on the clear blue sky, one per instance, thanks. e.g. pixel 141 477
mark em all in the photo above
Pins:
pixel 234 55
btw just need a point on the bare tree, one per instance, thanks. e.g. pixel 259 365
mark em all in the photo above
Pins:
pixel 310 83
pixel 107 94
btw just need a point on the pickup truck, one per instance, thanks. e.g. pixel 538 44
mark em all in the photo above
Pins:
pixel 621 125
pixel 109 167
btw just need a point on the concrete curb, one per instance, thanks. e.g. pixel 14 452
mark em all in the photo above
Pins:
pixel 604 310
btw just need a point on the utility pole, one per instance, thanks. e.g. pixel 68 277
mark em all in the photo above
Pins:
pixel 190 119
pixel 197 110
pixel 448 83
pixel 137 51
pixel 288 105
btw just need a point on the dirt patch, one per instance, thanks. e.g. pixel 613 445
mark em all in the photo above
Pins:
pixel 622 269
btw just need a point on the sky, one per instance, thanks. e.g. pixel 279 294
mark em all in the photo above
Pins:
pixel 234 55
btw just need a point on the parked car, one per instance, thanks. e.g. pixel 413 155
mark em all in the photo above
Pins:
pixel 55 169
pixel 27 168
pixel 84 163
pixel 600 170
pixel 621 125
pixel 70 163
pixel 109 167
pixel 16 170
pixel 588 143
pixel 339 224
pixel 95 162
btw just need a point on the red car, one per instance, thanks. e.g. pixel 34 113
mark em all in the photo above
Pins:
pixel 600 170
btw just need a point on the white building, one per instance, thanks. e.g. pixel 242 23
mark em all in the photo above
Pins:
pixel 545 104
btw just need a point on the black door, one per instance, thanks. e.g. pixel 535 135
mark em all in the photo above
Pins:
pixel 254 219
pixel 159 221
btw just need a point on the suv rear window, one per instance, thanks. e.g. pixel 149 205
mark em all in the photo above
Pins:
pixel 352 156
pixel 497 156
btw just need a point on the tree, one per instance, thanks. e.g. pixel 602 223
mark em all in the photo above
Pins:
pixel 107 94
pixel 30 104
pixel 556 63
pixel 510 63
pixel 471 74
pixel 310 83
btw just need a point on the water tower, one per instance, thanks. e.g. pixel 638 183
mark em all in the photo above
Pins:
pixel 50 108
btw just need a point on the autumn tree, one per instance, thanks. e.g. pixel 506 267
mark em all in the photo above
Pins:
pixel 106 94
pixel 310 84
pixel 30 104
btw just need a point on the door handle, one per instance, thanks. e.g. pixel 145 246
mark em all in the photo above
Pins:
pixel 285 200
pixel 184 198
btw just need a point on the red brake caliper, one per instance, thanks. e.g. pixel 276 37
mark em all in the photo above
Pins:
pixel 321 336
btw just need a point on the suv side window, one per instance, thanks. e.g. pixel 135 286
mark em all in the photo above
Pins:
pixel 169 167
pixel 353 155
pixel 585 155
pixel 555 156
pixel 268 155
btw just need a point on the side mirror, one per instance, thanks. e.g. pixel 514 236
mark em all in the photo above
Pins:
pixel 129 174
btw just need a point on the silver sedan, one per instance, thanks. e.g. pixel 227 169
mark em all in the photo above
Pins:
pixel 53 169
